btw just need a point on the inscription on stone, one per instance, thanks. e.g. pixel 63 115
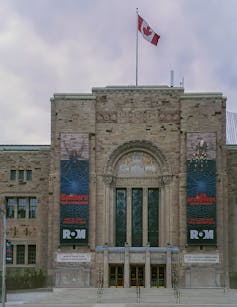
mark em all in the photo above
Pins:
pixel 138 116
pixel 73 257
pixel 201 258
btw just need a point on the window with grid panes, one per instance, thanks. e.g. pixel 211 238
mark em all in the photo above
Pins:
pixel 21 208
pixel 10 207
pixel 20 254
pixel 21 175
pixel 31 254
pixel 32 207
pixel 29 175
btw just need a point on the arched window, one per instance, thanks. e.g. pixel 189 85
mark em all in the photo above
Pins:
pixel 137 200
pixel 136 173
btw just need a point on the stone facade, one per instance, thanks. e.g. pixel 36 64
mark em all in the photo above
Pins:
pixel 232 205
pixel 137 140
pixel 28 230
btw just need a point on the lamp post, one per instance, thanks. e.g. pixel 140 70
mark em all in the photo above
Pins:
pixel 3 256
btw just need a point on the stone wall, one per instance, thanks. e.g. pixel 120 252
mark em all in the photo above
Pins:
pixel 232 204
pixel 27 231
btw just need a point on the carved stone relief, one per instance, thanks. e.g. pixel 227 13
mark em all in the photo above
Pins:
pixel 137 164
pixel 139 161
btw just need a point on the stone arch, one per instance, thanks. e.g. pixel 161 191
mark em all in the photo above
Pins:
pixel 147 147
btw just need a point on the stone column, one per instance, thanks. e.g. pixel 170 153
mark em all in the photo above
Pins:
pixel 129 217
pixel 126 266
pixel 107 214
pixel 106 268
pixel 162 217
pixel 148 267
pixel 145 217
pixel 92 207
pixel 168 268
pixel 112 215
pixel 108 210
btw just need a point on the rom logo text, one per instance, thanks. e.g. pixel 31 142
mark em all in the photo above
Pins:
pixel 201 234
pixel 74 234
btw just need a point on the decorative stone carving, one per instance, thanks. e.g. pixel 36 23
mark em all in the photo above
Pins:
pixel 137 164
pixel 165 179
pixel 137 145
pixel 137 160
pixel 108 179
pixel 138 116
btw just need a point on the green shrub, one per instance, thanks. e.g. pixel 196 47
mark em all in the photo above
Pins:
pixel 25 279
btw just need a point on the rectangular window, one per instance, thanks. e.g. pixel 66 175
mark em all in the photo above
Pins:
pixel 31 254
pixel 21 208
pixel 11 204
pixel 121 217
pixel 153 217
pixel 13 174
pixel 20 254
pixel 32 207
pixel 21 175
pixel 137 202
pixel 29 175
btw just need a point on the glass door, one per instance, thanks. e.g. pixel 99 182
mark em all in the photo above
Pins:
pixel 116 276
pixel 158 276
pixel 137 276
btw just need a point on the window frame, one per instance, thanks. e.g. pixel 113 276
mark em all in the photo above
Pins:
pixel 13 174
pixel 21 207
pixel 12 206
pixel 31 254
pixel 21 175
pixel 29 175
pixel 20 254
pixel 32 214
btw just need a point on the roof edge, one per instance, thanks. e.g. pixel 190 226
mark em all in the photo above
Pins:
pixel 24 147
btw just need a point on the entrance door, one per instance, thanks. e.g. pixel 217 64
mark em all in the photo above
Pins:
pixel 158 276
pixel 137 276
pixel 116 275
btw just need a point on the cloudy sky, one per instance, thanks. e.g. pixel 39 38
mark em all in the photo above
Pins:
pixel 70 46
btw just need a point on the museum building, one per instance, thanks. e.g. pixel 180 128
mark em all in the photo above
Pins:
pixel 137 188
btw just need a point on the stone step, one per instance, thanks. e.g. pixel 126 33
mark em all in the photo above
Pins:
pixel 88 297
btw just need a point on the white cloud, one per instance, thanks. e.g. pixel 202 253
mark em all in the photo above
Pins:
pixel 74 45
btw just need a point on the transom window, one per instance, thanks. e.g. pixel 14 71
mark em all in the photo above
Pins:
pixel 137 164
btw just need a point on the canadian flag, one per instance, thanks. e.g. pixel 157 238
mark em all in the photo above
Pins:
pixel 147 31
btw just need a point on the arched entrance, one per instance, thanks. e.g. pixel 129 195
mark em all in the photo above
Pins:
pixel 137 214
pixel 137 190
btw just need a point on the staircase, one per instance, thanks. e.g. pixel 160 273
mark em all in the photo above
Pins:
pixel 130 297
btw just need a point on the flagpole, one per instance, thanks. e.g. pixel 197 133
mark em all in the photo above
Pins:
pixel 137 49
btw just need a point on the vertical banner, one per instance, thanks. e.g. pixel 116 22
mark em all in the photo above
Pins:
pixel 9 252
pixel 201 189
pixel 74 190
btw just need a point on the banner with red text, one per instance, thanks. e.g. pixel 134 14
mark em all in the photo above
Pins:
pixel 74 189
pixel 201 189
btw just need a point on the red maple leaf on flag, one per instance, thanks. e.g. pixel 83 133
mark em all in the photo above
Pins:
pixel 147 31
